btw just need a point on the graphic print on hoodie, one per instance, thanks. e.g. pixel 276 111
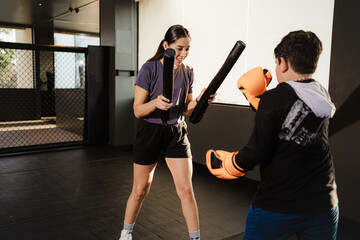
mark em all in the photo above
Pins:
pixel 313 98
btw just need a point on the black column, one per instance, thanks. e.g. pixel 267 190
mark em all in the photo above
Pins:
pixel 100 69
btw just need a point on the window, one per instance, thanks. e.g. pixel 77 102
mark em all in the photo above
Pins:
pixel 64 75
pixel 16 35
pixel 75 40
pixel 16 66
pixel 215 26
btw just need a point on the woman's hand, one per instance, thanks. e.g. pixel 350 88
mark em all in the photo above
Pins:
pixel 191 103
pixel 143 108
pixel 211 98
pixel 162 103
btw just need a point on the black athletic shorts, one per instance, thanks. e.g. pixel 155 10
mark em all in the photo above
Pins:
pixel 153 140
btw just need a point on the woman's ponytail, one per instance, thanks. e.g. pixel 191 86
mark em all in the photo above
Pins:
pixel 159 52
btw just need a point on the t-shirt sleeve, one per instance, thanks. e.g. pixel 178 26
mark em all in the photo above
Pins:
pixel 143 77
pixel 191 80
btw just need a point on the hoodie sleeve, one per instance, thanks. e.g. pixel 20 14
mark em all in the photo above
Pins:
pixel 263 140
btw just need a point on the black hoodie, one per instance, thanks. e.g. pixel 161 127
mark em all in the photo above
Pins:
pixel 290 142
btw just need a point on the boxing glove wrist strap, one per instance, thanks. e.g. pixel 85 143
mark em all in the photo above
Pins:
pixel 232 168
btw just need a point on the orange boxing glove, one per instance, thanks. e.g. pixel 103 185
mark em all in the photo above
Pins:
pixel 253 84
pixel 222 164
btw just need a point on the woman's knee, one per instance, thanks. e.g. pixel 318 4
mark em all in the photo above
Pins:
pixel 185 192
pixel 139 193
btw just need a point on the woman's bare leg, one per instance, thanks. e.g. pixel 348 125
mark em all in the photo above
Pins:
pixel 181 170
pixel 143 176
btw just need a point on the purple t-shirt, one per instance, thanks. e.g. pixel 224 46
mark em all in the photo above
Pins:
pixel 150 78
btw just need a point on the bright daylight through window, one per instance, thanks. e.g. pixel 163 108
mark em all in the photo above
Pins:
pixel 71 79
pixel 215 27
pixel 11 76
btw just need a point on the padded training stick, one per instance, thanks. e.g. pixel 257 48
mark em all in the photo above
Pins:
pixel 202 105
pixel 168 80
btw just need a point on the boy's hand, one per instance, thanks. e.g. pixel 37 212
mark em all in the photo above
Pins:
pixel 253 84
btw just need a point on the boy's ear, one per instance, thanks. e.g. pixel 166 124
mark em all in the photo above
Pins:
pixel 284 65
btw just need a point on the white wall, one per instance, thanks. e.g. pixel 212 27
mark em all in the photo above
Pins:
pixel 215 26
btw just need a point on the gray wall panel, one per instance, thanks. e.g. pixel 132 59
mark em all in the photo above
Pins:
pixel 119 29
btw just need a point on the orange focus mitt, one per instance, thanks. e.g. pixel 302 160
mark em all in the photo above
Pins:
pixel 253 84
pixel 222 164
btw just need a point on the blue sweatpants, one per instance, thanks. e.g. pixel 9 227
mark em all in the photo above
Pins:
pixel 266 225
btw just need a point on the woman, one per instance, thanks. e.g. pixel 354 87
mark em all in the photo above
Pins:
pixel 154 137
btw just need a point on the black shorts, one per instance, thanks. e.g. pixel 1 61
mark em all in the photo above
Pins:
pixel 153 140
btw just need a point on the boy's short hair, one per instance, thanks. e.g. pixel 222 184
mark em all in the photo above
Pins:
pixel 302 49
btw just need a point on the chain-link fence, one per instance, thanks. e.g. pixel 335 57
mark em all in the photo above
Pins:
pixel 42 96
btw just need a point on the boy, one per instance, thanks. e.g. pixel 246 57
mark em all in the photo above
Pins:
pixel 297 191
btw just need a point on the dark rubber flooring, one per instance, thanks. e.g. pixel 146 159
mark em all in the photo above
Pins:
pixel 80 194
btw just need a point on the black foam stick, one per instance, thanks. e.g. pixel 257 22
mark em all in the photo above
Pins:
pixel 168 80
pixel 202 105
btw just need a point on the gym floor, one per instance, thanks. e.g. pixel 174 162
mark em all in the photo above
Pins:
pixel 80 194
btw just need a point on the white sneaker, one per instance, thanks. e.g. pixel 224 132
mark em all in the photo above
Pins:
pixel 125 235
